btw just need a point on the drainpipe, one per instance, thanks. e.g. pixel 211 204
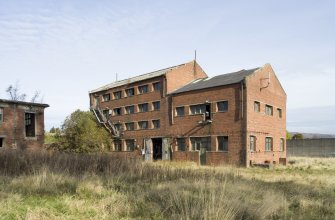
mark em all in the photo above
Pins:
pixel 245 120
pixel 15 124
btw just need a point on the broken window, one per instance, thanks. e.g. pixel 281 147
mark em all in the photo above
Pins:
pixel 181 144
pixel 200 142
pixel 180 111
pixel 223 143
pixel 30 124
pixel 143 124
pixel 143 89
pixel 130 92
pixel 282 144
pixel 106 97
pixel 130 144
pixel 198 109
pixel 279 112
pixel 222 106
pixel 156 86
pixel 130 126
pixel 156 105
pixel 268 110
pixel 268 143
pixel 106 113
pixel 117 111
pixel 1 115
pixel 130 109
pixel 252 146
pixel 156 123
pixel 208 115
pixel 257 106
pixel 2 142
pixel 143 107
pixel 117 145
pixel 117 95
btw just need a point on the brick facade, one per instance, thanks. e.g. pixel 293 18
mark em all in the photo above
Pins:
pixel 219 136
pixel 18 118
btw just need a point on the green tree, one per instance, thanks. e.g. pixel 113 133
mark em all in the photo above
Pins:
pixel 81 134
pixel 298 136
pixel 288 135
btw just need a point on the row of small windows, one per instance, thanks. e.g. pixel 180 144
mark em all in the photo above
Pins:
pixel 130 145
pixel 144 107
pixel 131 91
pixel 268 144
pixel 140 125
pixel 221 106
pixel 268 109
pixel 203 142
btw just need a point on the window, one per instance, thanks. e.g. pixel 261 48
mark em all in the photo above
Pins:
pixel 143 124
pixel 130 126
pixel 156 86
pixel 118 126
pixel 279 112
pixel 130 109
pixel 30 124
pixel 143 107
pixel 268 143
pixel 252 146
pixel 200 142
pixel 143 89
pixel 130 144
pixel 130 92
pixel 223 143
pixel 222 106
pixel 156 105
pixel 282 144
pixel 156 123
pixel 1 115
pixel 105 113
pixel 117 145
pixel 268 110
pixel 197 109
pixel 181 144
pixel 117 95
pixel 117 111
pixel 106 97
pixel 180 111
pixel 257 106
pixel 2 142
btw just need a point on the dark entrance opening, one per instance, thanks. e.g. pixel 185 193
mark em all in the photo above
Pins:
pixel 157 148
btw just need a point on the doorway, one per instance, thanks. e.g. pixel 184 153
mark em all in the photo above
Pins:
pixel 157 148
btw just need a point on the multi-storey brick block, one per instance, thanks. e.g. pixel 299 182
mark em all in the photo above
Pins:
pixel 178 113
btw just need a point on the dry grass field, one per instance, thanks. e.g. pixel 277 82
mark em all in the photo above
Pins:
pixel 69 186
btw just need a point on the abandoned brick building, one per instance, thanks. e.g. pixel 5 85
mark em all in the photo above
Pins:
pixel 21 124
pixel 179 113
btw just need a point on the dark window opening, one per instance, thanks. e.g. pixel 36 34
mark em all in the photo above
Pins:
pixel 208 115
pixel 268 144
pixel 1 115
pixel 222 106
pixel 268 110
pixel 130 109
pixel 156 105
pixel 197 109
pixel 117 145
pixel 157 148
pixel 117 111
pixel 143 124
pixel 130 126
pixel 130 92
pixel 2 142
pixel 181 144
pixel 106 113
pixel 156 123
pixel 30 124
pixel 252 143
pixel 282 144
pixel 200 142
pixel 257 106
pixel 157 86
pixel 106 97
pixel 130 144
pixel 180 111
pixel 117 95
pixel 223 143
pixel 279 112
pixel 143 89
pixel 143 107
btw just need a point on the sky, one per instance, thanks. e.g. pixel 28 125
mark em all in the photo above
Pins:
pixel 66 48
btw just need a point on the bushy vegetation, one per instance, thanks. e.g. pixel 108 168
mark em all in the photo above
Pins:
pixel 81 134
pixel 97 186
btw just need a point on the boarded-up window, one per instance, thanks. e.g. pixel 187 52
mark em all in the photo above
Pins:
pixel 223 143
pixel 30 124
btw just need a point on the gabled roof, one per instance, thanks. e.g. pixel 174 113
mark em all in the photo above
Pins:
pixel 220 80
pixel 136 79
pixel 24 103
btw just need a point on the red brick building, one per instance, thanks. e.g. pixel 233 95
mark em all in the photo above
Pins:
pixel 179 113
pixel 21 124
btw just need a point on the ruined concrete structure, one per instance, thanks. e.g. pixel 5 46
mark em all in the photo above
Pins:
pixel 21 125
pixel 179 113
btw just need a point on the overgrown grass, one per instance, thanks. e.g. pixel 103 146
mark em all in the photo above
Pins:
pixel 78 186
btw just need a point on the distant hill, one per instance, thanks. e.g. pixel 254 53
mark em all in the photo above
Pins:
pixel 313 135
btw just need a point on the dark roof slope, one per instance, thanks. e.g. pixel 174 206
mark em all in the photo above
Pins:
pixel 220 80
pixel 24 103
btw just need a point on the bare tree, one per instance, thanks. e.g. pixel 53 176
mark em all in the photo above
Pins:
pixel 36 96
pixel 14 92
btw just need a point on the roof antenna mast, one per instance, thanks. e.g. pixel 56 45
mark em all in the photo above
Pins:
pixel 116 77
pixel 195 55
